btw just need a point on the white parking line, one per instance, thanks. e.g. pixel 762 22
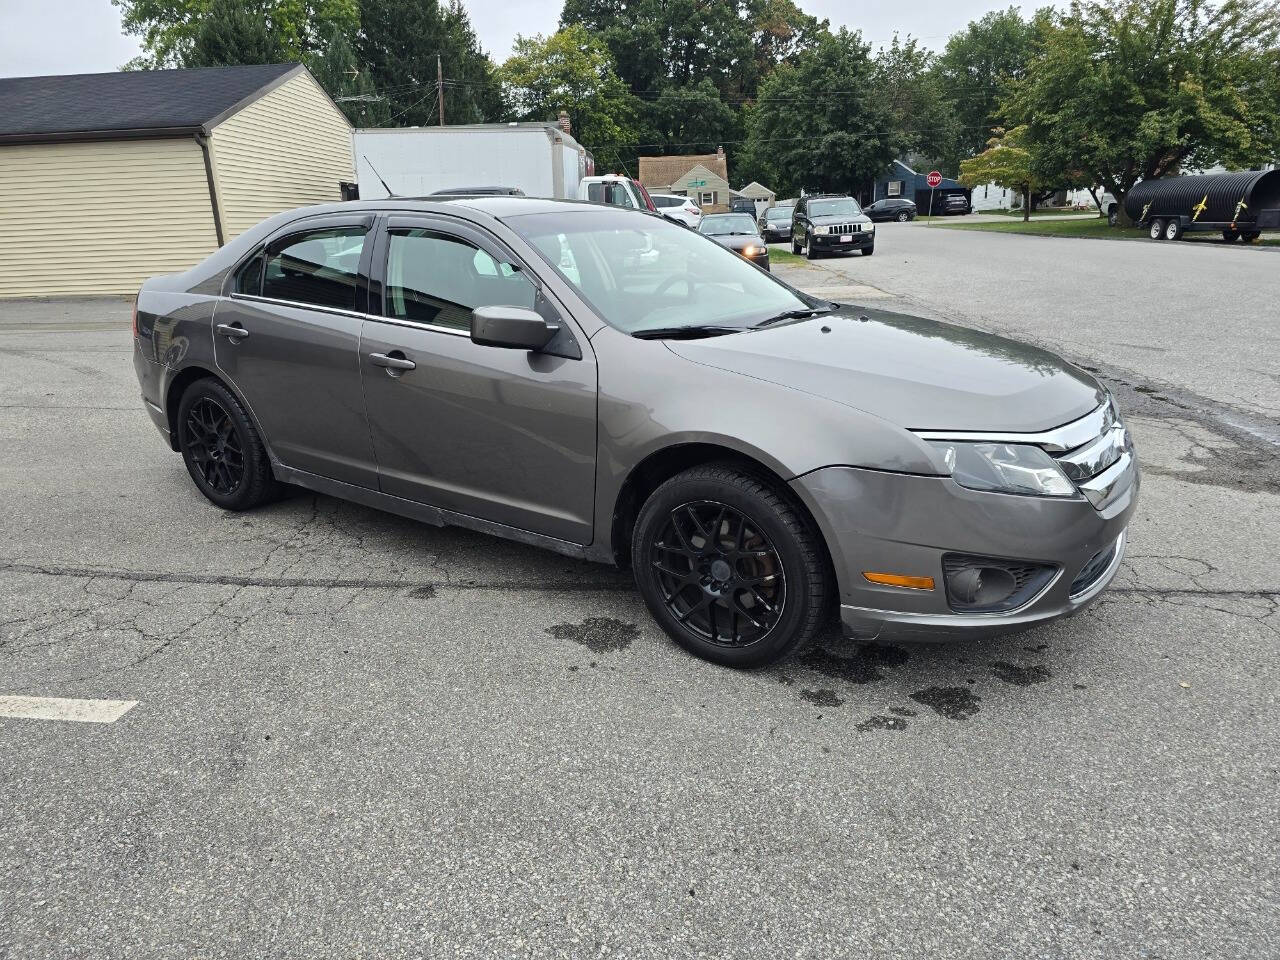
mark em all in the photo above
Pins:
pixel 64 708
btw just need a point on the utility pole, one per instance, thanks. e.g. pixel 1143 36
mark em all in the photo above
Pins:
pixel 440 88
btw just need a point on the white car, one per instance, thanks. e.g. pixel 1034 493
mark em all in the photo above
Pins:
pixel 678 208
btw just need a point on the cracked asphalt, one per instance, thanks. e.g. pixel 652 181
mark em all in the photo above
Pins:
pixel 358 736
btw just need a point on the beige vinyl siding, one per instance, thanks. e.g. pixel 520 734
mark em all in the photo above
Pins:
pixel 288 149
pixel 99 218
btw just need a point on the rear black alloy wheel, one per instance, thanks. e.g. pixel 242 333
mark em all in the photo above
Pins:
pixel 222 449
pixel 214 446
pixel 730 567
pixel 720 576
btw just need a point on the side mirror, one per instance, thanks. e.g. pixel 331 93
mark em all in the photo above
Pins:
pixel 514 327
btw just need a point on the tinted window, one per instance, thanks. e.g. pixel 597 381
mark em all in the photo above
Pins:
pixel 249 279
pixel 438 279
pixel 667 201
pixel 321 267
pixel 609 191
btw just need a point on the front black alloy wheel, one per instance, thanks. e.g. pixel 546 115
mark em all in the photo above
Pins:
pixel 729 567
pixel 222 449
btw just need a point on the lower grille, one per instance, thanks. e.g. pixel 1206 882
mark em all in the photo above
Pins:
pixel 1092 570
pixel 991 585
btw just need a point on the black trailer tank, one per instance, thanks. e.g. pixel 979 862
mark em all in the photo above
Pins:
pixel 1247 201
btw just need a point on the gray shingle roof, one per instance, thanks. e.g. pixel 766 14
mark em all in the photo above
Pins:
pixel 127 103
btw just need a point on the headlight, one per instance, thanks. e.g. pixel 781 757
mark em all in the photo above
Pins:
pixel 869 227
pixel 821 229
pixel 1004 467
pixel 752 251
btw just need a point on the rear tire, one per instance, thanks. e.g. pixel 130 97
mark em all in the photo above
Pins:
pixel 222 449
pixel 1230 236
pixel 1157 229
pixel 729 568
pixel 795 247
pixel 1173 229
pixel 809 252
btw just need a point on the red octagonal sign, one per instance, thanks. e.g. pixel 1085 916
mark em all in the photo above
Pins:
pixel 935 178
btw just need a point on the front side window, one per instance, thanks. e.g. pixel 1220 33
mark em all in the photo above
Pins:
pixel 438 279
pixel 249 277
pixel 645 273
pixel 321 267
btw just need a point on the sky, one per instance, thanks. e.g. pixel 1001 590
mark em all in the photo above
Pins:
pixel 83 36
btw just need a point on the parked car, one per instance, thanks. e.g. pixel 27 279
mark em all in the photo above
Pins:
pixel 736 232
pixel 617 191
pixel 478 192
pixel 954 203
pixel 743 205
pixel 775 223
pixel 831 224
pixel 891 208
pixel 759 457
pixel 678 208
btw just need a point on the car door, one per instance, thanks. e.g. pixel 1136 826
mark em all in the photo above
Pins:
pixel 504 435
pixel 287 336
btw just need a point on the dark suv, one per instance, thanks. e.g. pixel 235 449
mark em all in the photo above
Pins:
pixel 831 224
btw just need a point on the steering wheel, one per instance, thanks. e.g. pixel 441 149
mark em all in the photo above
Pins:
pixel 671 281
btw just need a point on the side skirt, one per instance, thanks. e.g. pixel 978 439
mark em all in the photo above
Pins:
pixel 425 513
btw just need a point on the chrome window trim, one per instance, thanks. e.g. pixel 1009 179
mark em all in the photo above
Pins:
pixel 1069 436
pixel 356 314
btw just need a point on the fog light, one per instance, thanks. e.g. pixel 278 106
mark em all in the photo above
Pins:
pixel 991 584
pixel 982 586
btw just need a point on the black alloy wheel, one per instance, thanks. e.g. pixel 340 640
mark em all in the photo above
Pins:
pixel 730 566
pixel 720 576
pixel 214 446
pixel 222 449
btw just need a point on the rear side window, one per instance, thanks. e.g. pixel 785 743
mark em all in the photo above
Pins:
pixel 321 267
pixel 438 279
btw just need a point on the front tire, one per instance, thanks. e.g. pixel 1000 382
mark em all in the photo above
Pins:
pixel 903 217
pixel 1157 229
pixel 222 449
pixel 868 251
pixel 729 568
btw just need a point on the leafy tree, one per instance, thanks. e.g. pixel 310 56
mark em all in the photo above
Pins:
pixel 975 70
pixel 691 119
pixel 922 116
pixel 398 43
pixel 1008 162
pixel 340 72
pixel 1127 90
pixel 836 140
pixel 290 29
pixel 572 70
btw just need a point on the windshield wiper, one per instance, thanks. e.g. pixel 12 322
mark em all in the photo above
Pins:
pixel 795 315
pixel 691 332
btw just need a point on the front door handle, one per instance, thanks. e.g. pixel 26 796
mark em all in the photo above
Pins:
pixel 232 330
pixel 392 362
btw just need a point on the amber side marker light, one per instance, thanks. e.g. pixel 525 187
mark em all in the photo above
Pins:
pixel 899 580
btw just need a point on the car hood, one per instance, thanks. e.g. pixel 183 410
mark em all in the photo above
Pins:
pixel 916 373
pixel 827 221
pixel 738 241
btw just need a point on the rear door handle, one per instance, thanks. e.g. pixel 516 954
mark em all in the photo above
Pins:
pixel 392 362
pixel 233 331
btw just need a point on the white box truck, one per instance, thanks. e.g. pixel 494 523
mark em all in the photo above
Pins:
pixel 537 158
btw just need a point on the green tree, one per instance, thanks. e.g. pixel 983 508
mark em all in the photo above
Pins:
pixel 288 29
pixel 398 43
pixel 341 73
pixel 921 115
pixel 1128 90
pixel 974 72
pixel 1008 162
pixel 818 123
pixel 572 70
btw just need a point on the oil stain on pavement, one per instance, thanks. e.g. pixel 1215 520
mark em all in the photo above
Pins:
pixel 954 703
pixel 1020 676
pixel 597 634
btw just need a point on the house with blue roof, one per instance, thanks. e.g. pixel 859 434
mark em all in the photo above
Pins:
pixel 900 180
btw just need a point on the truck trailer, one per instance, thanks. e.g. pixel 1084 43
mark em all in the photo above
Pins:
pixel 539 159
pixel 1240 205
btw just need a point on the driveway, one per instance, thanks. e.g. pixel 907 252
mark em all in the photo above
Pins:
pixel 342 734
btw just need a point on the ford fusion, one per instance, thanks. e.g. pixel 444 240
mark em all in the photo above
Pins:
pixel 616 387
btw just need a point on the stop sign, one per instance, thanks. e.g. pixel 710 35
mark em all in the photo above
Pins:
pixel 934 179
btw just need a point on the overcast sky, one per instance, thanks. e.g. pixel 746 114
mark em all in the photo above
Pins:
pixel 83 36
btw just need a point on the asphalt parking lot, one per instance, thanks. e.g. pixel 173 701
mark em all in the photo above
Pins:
pixel 357 736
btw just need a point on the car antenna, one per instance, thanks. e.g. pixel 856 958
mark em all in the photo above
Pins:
pixel 390 193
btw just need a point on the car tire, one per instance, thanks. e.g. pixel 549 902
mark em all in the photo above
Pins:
pixel 1173 229
pixel 1251 236
pixel 739 550
pixel 1230 236
pixel 795 247
pixel 809 252
pixel 222 449
pixel 903 217
pixel 1156 229
pixel 868 251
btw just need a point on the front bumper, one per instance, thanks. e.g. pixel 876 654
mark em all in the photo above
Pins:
pixel 832 242
pixel 760 260
pixel 896 523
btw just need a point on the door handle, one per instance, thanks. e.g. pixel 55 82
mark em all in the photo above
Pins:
pixel 392 362
pixel 231 331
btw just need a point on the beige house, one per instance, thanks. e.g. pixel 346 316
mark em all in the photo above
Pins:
pixel 702 177
pixel 107 179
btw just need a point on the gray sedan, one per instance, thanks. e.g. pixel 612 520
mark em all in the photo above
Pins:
pixel 615 387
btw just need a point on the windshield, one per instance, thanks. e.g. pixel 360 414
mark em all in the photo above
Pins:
pixel 837 207
pixel 780 213
pixel 734 223
pixel 642 273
